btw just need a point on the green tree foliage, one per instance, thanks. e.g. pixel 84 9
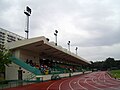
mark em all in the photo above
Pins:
pixel 108 64
pixel 4 58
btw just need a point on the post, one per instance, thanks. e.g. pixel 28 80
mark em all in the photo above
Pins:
pixel 68 45
pixel 56 37
pixel 27 12
pixel 76 50
pixel 27 27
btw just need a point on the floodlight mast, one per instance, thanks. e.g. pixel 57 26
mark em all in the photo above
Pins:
pixel 68 45
pixel 56 32
pixel 76 50
pixel 27 12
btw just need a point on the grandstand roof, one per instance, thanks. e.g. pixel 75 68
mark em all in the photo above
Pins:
pixel 42 45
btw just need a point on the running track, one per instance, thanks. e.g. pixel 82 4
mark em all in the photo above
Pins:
pixel 91 81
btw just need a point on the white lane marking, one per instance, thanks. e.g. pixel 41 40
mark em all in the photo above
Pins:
pixel 104 77
pixel 97 82
pixel 106 80
pixel 99 78
pixel 101 75
pixel 80 84
pixel 92 85
pixel 109 83
pixel 101 84
pixel 70 85
pixel 74 82
pixel 61 84
pixel 51 85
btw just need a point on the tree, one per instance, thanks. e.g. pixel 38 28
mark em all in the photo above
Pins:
pixel 109 63
pixel 4 58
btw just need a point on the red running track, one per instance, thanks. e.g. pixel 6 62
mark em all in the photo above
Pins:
pixel 92 81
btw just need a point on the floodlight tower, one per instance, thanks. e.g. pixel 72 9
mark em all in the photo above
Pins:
pixel 27 12
pixel 76 50
pixel 56 32
pixel 68 45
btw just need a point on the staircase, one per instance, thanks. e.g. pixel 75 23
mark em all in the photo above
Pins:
pixel 30 77
pixel 25 65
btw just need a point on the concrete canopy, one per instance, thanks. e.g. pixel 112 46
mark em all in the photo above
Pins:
pixel 42 46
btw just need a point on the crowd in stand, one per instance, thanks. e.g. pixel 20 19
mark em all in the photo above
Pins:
pixel 46 69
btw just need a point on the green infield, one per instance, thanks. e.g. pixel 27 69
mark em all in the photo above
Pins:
pixel 115 73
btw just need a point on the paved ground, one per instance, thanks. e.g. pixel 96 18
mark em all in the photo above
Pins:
pixel 92 81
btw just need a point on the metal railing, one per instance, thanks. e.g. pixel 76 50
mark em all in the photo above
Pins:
pixel 30 76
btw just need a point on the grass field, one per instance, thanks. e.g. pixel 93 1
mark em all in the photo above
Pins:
pixel 115 73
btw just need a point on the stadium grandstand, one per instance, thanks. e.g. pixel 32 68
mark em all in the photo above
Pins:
pixel 37 56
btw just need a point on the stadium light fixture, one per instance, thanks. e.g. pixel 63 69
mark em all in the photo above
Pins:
pixel 68 45
pixel 76 50
pixel 56 32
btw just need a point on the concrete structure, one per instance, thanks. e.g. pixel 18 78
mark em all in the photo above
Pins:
pixel 7 36
pixel 38 49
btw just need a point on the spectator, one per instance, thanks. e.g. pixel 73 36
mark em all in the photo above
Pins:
pixel 31 63
pixel 27 61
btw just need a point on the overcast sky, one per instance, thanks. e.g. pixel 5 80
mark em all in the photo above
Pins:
pixel 91 25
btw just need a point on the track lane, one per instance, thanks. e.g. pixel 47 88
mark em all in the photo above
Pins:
pixel 92 81
pixel 102 84
pixel 75 85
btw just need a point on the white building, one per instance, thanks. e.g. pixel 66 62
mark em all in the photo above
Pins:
pixel 7 36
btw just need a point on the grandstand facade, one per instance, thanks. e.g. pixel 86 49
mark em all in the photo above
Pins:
pixel 37 56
